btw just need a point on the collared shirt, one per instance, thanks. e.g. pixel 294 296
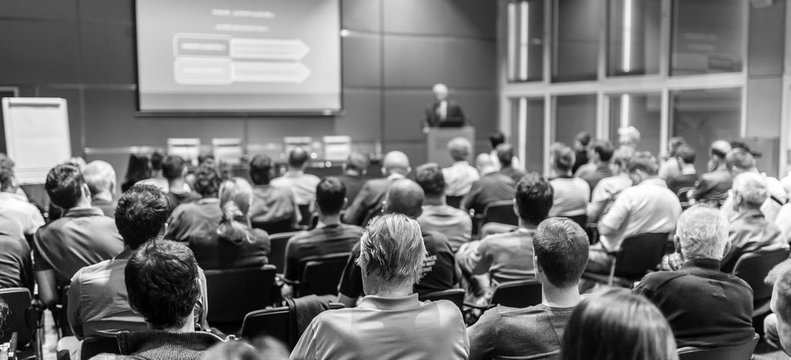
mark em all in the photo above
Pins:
pixel 649 207
pixel 751 232
pixel 106 206
pixel 82 237
pixel 302 185
pixel 325 240
pixel 17 208
pixel 191 217
pixel 604 195
pixel 490 188
pixel 386 328
pixel 511 333
pixel 456 224
pixel 272 204
pixel 16 266
pixel 593 173
pixel 459 178
pixel 506 257
pixel 704 306
pixel 570 197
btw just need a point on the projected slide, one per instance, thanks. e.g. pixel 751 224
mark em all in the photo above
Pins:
pixel 238 55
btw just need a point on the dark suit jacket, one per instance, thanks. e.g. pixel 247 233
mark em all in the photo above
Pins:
pixel 353 185
pixel 368 203
pixel 454 113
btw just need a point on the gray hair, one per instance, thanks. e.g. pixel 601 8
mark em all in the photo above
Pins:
pixel 702 232
pixel 100 177
pixel 751 187
pixel 459 148
pixel 392 250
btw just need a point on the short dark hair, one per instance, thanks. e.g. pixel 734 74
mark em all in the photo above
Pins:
pixel 297 157
pixel 429 177
pixel 173 167
pixel 140 214
pixel 156 160
pixel 686 153
pixel 583 137
pixel 740 158
pixel 261 170
pixel 64 185
pixel 207 181
pixel 561 248
pixel 6 178
pixel 533 198
pixel 162 280
pixel 505 152
pixel 357 161
pixel 496 138
pixel 562 157
pixel 330 195
pixel 643 161
pixel 604 149
pixel 405 197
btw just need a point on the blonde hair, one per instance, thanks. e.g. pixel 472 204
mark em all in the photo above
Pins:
pixel 236 195
pixel 392 249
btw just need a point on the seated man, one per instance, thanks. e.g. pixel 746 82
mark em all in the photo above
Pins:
pixel 98 305
pixel 273 208
pixel 82 237
pixel 174 169
pixel 491 187
pixel 503 256
pixel 199 215
pixel 712 187
pixel 561 251
pixel 16 207
pixel 459 176
pixel 437 216
pixel 704 306
pixel 777 326
pixel 353 176
pixel 162 280
pixel 368 203
pixel 599 166
pixel 16 266
pixel 505 152
pixel 687 175
pixel 439 270
pixel 750 232
pixel 100 177
pixel 740 160
pixel 390 322
pixel 329 237
pixel 303 185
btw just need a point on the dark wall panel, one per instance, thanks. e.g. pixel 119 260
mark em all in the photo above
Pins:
pixel 424 61
pixel 115 67
pixel 362 61
pixel 766 52
pixel 38 52
pixel 466 18
pixel 361 15
pixel 61 10
pixel 114 11
pixel 763 106
pixel 361 116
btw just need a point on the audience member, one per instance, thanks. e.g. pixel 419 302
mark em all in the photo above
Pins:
pixel 777 326
pixel 137 169
pixel 741 160
pixel 497 138
pixel 353 176
pixel 199 215
pixel 163 282
pixel 671 168
pixel 460 176
pixel 628 137
pixel 390 322
pixel 174 169
pixel 82 237
pixel 715 309
pixel 439 270
pixel 242 350
pixel 271 205
pixel 16 265
pixel 303 185
pixel 504 256
pixel 330 236
pixel 683 180
pixel 505 152
pixel 437 216
pixel 491 187
pixel 100 177
pixel 233 243
pixel 599 166
pixel 368 202
pixel 561 251
pixel 581 150
pixel 647 207
pixel 608 189
pixel 7 164
pixel 571 194
pixel 750 231
pixel 16 208
pixel 614 324
pixel 712 187
pixel 157 178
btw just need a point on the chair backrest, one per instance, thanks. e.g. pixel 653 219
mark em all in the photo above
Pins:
pixel 276 227
pixel 640 253
pixel 321 274
pixel 753 268
pixel 456 296
pixel 500 211
pixel 519 294
pixel 454 201
pixel 274 322
pixel 93 346
pixel 737 352
pixel 235 292
pixel 21 316
pixel 277 252
pixel 307 216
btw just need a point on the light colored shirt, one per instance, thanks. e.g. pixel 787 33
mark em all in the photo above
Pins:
pixel 783 221
pixel 770 207
pixel 649 207
pixel 386 328
pixel 459 178
pixel 506 257
pixel 17 208
pixel 456 224
pixel 570 197
pixel 604 195
pixel 302 185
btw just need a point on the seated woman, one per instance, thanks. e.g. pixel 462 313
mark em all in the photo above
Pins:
pixel 234 243
pixel 614 324
pixel 571 193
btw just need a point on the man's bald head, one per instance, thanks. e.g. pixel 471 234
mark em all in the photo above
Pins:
pixel 404 197
pixel 395 162
pixel 298 158
pixel 485 164
pixel 720 148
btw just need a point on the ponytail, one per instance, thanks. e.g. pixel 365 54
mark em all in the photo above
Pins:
pixel 234 226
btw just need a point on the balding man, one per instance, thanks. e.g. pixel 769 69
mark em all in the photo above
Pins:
pixel 443 112
pixel 368 203
pixel 492 186
pixel 712 187
pixel 439 270
pixel 459 176
pixel 302 185
pixel 353 176
pixel 100 177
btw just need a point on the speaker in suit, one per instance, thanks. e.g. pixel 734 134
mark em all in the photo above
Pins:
pixel 443 110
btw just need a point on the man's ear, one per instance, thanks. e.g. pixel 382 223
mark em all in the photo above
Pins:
pixel 86 191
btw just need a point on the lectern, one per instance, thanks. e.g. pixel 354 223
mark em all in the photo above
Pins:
pixel 437 143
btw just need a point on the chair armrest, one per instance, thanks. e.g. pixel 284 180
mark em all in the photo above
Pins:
pixel 280 279
pixel 479 307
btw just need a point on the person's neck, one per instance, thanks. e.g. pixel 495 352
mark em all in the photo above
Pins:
pixel 527 225
pixel 352 172
pixel 104 195
pixel 327 220
pixel 156 174
pixel 176 185
pixel 399 291
pixel 560 297
pixel 84 202
pixel 435 200
pixel 189 326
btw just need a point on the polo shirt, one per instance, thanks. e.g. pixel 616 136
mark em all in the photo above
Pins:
pixel 386 328
pixel 82 237
pixel 323 240
pixel 213 252
pixel 271 204
pixel 191 217
pixel 439 268
pixel 302 185
pixel 570 198
pixel 459 178
pixel 16 267
pixel 455 224
pixel 18 209
pixel 750 232
pixel 506 257
pixel 704 306
pixel 649 207
pixel 511 333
